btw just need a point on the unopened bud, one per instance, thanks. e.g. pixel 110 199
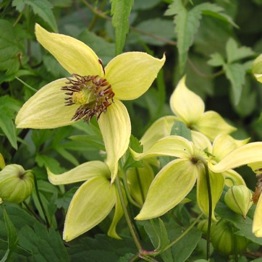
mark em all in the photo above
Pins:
pixel 225 240
pixel 238 199
pixel 16 184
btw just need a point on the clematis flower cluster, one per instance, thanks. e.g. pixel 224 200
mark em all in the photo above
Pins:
pixel 211 152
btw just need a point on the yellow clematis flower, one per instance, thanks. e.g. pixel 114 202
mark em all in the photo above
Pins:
pixel 91 90
pixel 92 201
pixel 193 159
pixel 189 109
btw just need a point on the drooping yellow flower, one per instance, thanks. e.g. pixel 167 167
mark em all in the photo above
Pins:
pixel 175 180
pixel 188 108
pixel 91 90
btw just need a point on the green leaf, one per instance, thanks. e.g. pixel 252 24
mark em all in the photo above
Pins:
pixel 186 26
pixel 8 109
pixel 155 31
pixel 8 127
pixel 216 59
pixel 180 129
pixel 188 22
pixel 101 248
pixel 12 48
pixel 43 8
pixel 187 244
pixel 120 10
pixel 44 244
pixel 235 53
pixel 235 73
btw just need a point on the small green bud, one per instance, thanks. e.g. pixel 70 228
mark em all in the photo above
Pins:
pixel 225 240
pixel 16 184
pixel 239 199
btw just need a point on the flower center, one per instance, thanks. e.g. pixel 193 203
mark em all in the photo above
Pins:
pixel 93 94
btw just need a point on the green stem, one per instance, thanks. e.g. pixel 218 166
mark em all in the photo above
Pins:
pixel 209 195
pixel 41 203
pixel 127 217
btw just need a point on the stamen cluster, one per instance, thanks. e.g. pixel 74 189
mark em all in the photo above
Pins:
pixel 93 93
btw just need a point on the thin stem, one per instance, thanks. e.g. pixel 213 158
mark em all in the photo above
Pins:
pixel 182 235
pixel 127 217
pixel 41 203
pixel 30 87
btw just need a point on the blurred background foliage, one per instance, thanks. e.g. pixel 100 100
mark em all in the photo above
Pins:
pixel 213 42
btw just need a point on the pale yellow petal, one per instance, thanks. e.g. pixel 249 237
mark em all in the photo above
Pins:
pixel 176 146
pixel 200 141
pixel 75 56
pixel 212 124
pixel 223 145
pixel 185 104
pixel 80 173
pixel 132 73
pixel 246 154
pixel 46 108
pixel 115 127
pixel 159 129
pixel 257 221
pixel 91 203
pixel 169 188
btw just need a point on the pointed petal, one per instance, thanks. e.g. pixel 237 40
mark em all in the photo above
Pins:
pixel 212 124
pixel 132 73
pixel 72 54
pixel 176 146
pixel 46 108
pixel 216 184
pixel 91 203
pixel 257 221
pixel 185 104
pixel 115 127
pixel 80 173
pixel 159 129
pixel 232 178
pixel 246 154
pixel 200 141
pixel 223 145
pixel 118 214
pixel 169 188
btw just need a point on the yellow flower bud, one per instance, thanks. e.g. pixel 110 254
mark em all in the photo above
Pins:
pixel 238 198
pixel 16 184
pixel 224 239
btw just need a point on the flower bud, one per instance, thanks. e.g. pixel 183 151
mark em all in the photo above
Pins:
pixel 16 184
pixel 238 198
pixel 139 180
pixel 225 240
